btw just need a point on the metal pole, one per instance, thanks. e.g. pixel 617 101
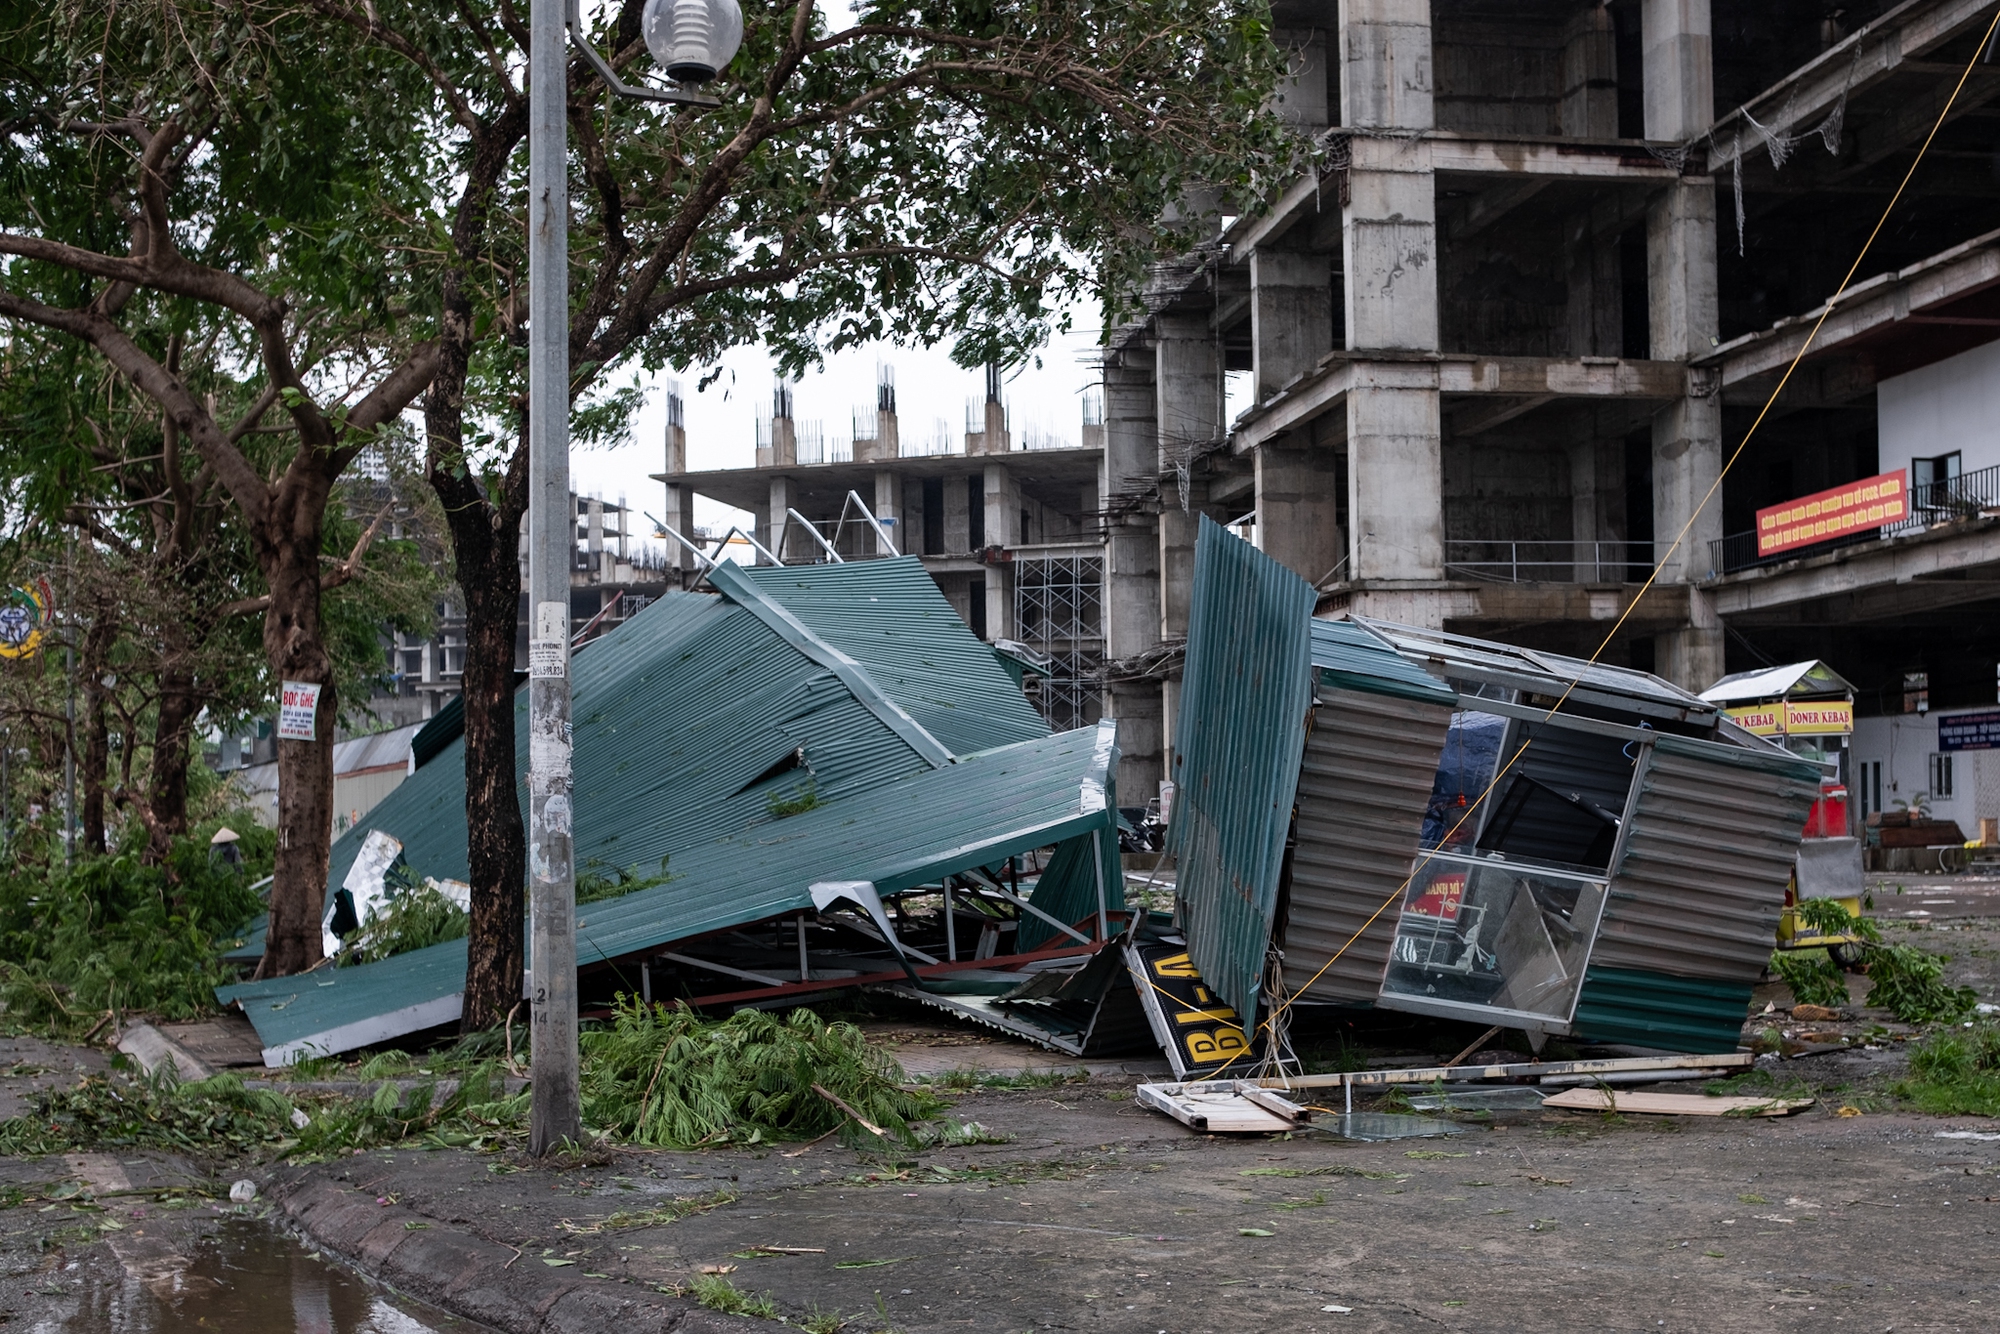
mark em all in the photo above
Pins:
pixel 69 711
pixel 554 1115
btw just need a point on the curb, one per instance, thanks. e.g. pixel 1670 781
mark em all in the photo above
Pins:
pixel 472 1278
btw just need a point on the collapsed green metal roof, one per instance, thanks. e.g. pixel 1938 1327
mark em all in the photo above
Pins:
pixel 908 832
pixel 703 712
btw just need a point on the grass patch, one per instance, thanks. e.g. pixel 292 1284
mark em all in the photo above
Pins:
pixel 673 1211
pixel 718 1294
pixel 1331 1171
pixel 1955 1073
pixel 671 1078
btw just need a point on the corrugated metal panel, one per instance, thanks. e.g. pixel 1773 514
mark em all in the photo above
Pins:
pixel 1244 696
pixel 1363 789
pixel 1351 658
pixel 1582 762
pixel 1643 1009
pixel 680 709
pixel 889 616
pixel 1709 844
pixel 1463 657
pixel 898 835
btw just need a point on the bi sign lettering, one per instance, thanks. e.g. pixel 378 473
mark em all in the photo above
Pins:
pixel 1201 1033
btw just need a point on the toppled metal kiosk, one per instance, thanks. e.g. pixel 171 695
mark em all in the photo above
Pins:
pixel 1369 814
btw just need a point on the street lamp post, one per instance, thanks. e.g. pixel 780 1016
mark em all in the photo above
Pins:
pixel 693 40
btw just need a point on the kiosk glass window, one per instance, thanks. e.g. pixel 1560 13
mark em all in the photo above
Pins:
pixel 1485 938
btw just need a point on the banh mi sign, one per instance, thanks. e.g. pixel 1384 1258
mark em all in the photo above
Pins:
pixel 1788 719
pixel 1854 508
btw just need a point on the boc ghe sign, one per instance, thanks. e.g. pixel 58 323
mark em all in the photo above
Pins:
pixel 1970 731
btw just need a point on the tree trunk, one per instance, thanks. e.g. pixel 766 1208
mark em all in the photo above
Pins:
pixel 96 756
pixel 486 548
pixel 293 646
pixel 495 839
pixel 486 540
pixel 167 786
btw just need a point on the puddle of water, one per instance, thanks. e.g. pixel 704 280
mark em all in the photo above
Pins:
pixel 246 1278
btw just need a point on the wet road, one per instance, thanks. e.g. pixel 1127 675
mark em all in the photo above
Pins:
pixel 243 1276
pixel 1916 897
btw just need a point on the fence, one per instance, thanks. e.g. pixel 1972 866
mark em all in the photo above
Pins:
pixel 1971 495
pixel 1510 561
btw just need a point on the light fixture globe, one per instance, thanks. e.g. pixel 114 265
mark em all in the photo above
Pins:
pixel 693 40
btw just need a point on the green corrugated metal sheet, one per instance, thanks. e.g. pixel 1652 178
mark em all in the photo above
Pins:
pixel 1351 658
pixel 1244 696
pixel 898 835
pixel 678 711
pixel 1648 1009
pixel 889 616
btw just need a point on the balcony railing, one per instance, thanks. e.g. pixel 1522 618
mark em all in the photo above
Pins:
pixel 1508 561
pixel 1971 495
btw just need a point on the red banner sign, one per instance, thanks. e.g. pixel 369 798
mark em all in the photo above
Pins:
pixel 1856 507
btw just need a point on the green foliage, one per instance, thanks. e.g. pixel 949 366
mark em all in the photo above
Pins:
pixel 596 880
pixel 221 1114
pixel 225 1116
pixel 116 934
pixel 672 1078
pixel 1830 917
pixel 806 799
pixel 1814 978
pixel 1910 984
pixel 1956 1072
pixel 411 920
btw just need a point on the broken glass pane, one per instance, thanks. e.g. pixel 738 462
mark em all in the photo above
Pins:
pixel 1492 938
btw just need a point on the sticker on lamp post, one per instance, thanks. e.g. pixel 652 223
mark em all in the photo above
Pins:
pixel 298 711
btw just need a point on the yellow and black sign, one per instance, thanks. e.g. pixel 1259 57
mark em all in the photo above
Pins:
pixel 1200 1032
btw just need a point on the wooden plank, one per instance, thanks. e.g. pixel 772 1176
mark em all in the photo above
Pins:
pixel 1217 1111
pixel 1672 1104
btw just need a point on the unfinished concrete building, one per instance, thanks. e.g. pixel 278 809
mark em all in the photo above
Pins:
pixel 1005 526
pixel 1495 354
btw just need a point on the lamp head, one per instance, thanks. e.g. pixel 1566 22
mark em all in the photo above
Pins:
pixel 693 40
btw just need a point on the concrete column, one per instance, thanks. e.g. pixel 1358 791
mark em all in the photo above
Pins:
pixel 1590 76
pixel 1395 477
pixel 1188 406
pixel 1680 74
pixel 1132 567
pixel 680 515
pixel 1682 306
pixel 774 516
pixel 1597 508
pixel 1389 239
pixel 888 507
pixel 1301 94
pixel 1385 55
pixel 1291 316
pixel 1298 523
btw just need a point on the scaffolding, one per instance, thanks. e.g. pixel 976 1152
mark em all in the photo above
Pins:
pixel 1059 610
